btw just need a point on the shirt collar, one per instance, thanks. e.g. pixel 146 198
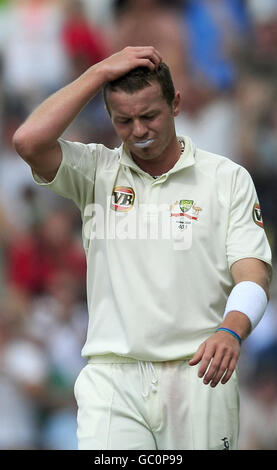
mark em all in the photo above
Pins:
pixel 187 157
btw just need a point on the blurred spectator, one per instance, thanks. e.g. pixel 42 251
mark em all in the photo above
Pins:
pixel 256 97
pixel 34 257
pixel 19 197
pixel 7 233
pixel 259 411
pixel 34 61
pixel 20 200
pixel 257 89
pixel 152 22
pixel 40 343
pixel 60 431
pixel 84 43
pixel 23 373
pixel 58 321
pixel 211 120
pixel 262 12
pixel 100 11
pixel 215 31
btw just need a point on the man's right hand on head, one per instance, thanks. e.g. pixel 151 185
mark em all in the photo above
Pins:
pixel 36 140
pixel 128 59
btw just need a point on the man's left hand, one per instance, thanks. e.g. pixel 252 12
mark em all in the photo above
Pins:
pixel 218 357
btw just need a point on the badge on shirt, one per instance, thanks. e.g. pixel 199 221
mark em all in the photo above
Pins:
pixel 257 215
pixel 123 198
pixel 185 208
pixel 185 204
pixel 183 213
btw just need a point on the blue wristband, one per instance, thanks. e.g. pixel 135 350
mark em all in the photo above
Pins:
pixel 233 333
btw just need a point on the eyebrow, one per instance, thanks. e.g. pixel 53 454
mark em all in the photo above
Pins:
pixel 146 113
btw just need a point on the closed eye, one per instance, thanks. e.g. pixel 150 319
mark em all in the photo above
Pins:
pixel 123 121
pixel 149 116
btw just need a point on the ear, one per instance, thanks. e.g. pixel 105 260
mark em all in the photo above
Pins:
pixel 176 103
pixel 107 109
pixel 105 93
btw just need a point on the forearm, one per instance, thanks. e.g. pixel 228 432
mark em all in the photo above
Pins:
pixel 247 301
pixel 36 139
pixel 255 270
pixel 52 117
pixel 218 355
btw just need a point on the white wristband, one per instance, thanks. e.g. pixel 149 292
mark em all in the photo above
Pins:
pixel 249 298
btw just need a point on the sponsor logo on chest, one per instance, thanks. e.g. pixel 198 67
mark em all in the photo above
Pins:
pixel 123 198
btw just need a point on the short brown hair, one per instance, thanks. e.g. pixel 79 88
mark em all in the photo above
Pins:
pixel 141 77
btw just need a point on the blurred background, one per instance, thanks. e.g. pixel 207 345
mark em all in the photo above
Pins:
pixel 223 58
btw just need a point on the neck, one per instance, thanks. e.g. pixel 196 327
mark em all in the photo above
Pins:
pixel 164 162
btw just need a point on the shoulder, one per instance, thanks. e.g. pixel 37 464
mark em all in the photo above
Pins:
pixel 214 160
pixel 219 165
pixel 108 158
pixel 81 156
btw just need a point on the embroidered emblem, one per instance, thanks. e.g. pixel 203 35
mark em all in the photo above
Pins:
pixel 196 210
pixel 185 208
pixel 185 205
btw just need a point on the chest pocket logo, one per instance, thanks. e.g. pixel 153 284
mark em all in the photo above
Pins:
pixel 123 198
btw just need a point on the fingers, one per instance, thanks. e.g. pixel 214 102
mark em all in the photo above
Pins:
pixel 229 372
pixel 219 366
pixel 197 356
pixel 155 58
pixel 127 59
pixel 147 63
pixel 217 361
pixel 147 56
pixel 149 51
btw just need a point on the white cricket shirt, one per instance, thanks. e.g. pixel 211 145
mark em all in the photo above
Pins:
pixel 159 251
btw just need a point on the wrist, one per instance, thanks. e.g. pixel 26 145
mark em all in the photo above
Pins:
pixel 95 77
pixel 101 72
pixel 238 322
pixel 230 332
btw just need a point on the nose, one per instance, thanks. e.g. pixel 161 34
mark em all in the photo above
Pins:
pixel 139 129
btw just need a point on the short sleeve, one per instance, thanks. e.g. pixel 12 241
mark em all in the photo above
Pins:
pixel 76 173
pixel 246 237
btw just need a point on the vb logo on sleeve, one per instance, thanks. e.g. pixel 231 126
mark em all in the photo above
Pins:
pixel 257 215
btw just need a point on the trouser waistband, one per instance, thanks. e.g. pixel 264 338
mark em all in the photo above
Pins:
pixel 115 358
pixel 146 369
pixel 110 358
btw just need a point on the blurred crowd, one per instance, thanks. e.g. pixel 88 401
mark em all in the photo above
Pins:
pixel 223 58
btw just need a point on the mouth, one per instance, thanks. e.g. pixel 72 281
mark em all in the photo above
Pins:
pixel 143 143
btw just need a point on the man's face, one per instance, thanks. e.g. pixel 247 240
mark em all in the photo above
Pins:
pixel 144 120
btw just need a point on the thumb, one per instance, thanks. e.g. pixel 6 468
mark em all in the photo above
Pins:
pixel 198 355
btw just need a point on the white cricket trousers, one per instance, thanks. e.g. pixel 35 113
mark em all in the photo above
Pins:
pixel 132 405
